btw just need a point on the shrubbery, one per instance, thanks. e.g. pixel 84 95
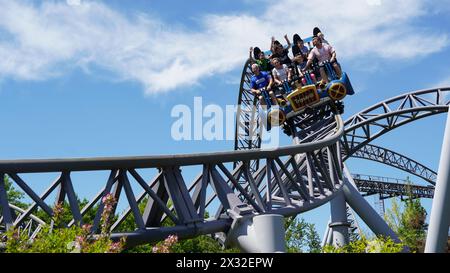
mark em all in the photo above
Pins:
pixel 56 238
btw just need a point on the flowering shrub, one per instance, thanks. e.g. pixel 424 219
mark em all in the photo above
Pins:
pixel 166 245
pixel 76 239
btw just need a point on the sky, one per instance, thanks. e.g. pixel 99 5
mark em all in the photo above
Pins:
pixel 83 78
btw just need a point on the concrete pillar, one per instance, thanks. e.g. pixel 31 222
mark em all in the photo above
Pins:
pixel 440 210
pixel 339 224
pixel 259 234
pixel 326 235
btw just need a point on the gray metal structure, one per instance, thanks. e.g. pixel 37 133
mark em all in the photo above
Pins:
pixel 396 160
pixel 440 213
pixel 248 186
pixel 390 187
pixel 190 203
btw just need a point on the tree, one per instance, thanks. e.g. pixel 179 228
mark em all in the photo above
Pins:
pixel 14 196
pixel 408 223
pixel 301 236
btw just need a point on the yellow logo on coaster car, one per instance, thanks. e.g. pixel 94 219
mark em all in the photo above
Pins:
pixel 337 91
pixel 276 117
pixel 302 97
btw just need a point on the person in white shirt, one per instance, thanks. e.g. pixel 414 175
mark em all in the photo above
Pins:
pixel 280 72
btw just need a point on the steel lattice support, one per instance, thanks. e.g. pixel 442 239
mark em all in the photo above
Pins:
pixel 388 187
pixel 396 160
pixel 168 195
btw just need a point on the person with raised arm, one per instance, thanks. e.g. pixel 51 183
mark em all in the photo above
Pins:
pixel 318 33
pixel 257 56
pixel 278 51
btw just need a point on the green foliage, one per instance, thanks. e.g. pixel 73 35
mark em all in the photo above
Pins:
pixel 59 239
pixel 14 196
pixel 408 223
pixel 301 236
pixel 363 245
pixel 199 244
pixel 67 216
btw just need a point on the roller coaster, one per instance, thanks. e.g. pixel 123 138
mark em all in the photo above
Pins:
pixel 251 189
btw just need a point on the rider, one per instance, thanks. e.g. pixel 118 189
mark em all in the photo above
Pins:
pixel 279 52
pixel 257 56
pixel 280 72
pixel 323 53
pixel 300 52
pixel 299 46
pixel 259 80
pixel 317 32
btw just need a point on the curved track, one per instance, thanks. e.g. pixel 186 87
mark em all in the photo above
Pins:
pixel 377 120
pixel 168 186
pixel 394 159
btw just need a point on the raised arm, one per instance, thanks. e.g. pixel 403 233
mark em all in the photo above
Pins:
pixel 287 40
pixel 250 55
pixel 271 44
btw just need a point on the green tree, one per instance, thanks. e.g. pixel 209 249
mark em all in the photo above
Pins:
pixel 301 236
pixel 14 196
pixel 409 222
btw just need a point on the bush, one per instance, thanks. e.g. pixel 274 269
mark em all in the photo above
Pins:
pixel 59 239
pixel 363 245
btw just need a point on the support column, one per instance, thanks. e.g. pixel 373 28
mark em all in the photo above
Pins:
pixel 364 209
pixel 258 234
pixel 339 224
pixel 326 240
pixel 440 210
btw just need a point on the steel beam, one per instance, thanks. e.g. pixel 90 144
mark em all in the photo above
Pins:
pixel 365 210
pixel 440 212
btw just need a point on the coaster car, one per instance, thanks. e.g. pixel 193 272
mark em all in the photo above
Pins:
pixel 294 98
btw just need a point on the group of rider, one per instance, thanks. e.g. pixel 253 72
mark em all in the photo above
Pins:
pixel 272 71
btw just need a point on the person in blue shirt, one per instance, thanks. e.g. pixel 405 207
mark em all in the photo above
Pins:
pixel 260 80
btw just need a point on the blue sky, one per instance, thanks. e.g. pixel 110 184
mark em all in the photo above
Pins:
pixel 100 78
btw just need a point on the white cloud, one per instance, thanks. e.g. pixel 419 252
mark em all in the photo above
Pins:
pixel 40 41
pixel 445 82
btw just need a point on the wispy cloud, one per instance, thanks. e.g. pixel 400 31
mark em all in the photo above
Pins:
pixel 41 41
pixel 444 82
